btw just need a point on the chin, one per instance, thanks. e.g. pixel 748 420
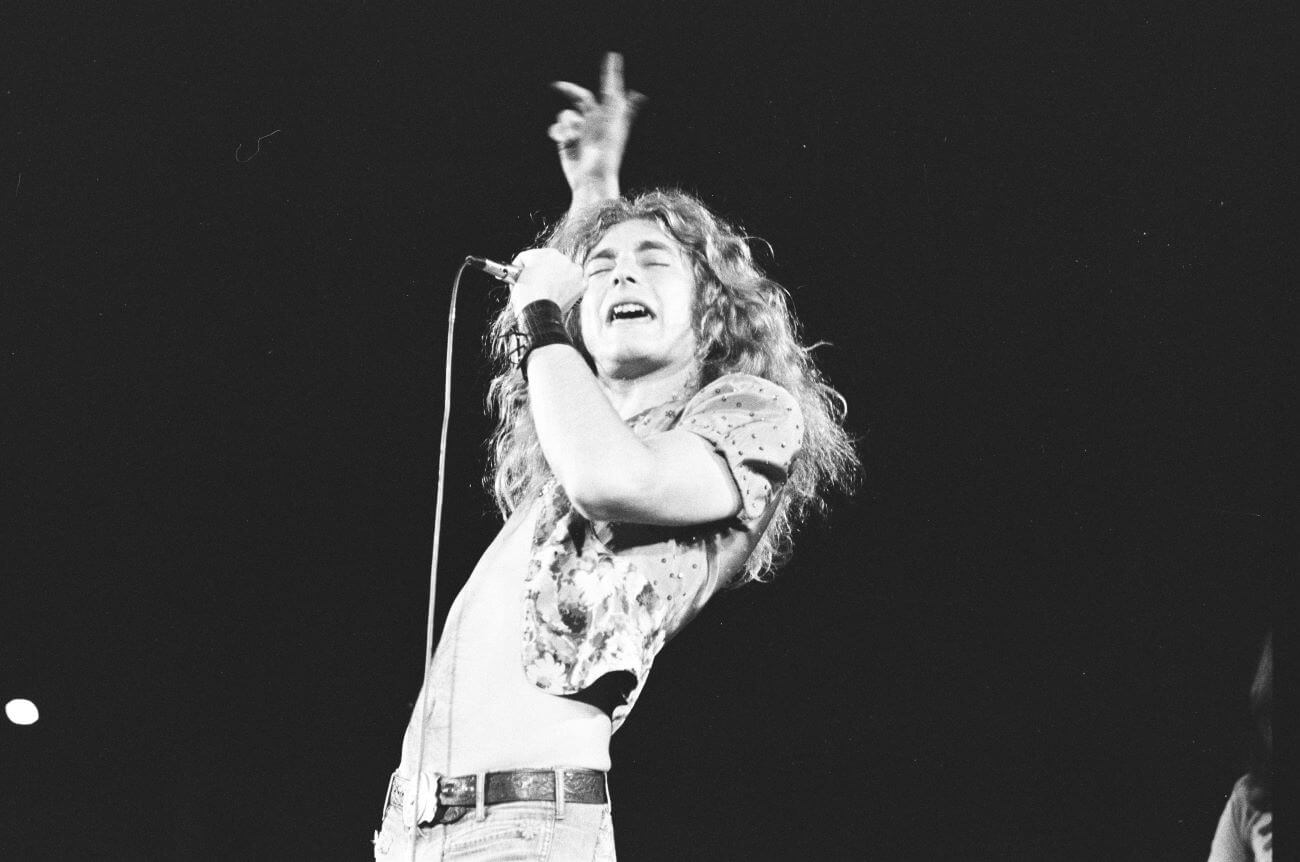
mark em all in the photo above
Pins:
pixel 628 363
pixel 629 369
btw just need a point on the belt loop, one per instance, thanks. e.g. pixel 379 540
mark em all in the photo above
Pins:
pixel 388 795
pixel 480 796
pixel 559 793
pixel 410 793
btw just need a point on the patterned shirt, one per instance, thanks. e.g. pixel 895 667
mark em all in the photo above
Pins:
pixel 604 597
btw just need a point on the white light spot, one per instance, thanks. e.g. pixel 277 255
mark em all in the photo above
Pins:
pixel 21 711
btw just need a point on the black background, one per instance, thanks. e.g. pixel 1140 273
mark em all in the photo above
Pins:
pixel 1040 243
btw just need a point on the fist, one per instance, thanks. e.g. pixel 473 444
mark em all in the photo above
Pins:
pixel 546 274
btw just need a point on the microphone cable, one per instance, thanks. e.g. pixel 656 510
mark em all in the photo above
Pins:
pixel 414 801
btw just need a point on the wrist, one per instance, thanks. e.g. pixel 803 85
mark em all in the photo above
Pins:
pixel 537 313
pixel 593 189
pixel 542 324
pixel 521 299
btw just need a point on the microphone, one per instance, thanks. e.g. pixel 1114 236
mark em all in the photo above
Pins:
pixel 500 271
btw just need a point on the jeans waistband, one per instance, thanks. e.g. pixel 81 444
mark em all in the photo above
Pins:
pixel 442 799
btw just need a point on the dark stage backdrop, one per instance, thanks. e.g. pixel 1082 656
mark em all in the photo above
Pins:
pixel 1039 245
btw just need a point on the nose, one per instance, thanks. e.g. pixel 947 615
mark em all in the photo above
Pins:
pixel 624 271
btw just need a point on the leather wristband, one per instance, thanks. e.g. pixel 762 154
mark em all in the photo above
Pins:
pixel 542 324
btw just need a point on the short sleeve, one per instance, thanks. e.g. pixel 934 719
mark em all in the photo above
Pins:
pixel 756 426
pixel 1231 839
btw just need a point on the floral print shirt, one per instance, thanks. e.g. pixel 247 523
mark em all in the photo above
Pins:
pixel 605 597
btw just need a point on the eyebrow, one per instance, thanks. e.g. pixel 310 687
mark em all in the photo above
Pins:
pixel 645 245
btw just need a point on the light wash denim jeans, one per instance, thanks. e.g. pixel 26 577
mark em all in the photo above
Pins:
pixel 523 831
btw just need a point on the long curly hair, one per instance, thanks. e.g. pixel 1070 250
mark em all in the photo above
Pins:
pixel 743 324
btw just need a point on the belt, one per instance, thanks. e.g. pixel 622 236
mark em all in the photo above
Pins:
pixel 458 796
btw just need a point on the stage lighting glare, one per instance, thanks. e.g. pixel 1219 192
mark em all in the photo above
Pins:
pixel 22 711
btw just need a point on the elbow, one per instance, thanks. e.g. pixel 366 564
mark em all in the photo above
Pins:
pixel 594 510
pixel 606 495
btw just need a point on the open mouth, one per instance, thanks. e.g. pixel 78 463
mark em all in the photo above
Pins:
pixel 628 311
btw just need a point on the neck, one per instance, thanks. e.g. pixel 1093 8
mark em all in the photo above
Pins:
pixel 631 395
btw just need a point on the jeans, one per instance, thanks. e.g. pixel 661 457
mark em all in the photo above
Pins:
pixel 524 831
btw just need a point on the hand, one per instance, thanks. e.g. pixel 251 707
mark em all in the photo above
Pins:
pixel 546 274
pixel 593 133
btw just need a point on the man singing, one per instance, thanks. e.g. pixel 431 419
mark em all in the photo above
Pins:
pixel 660 434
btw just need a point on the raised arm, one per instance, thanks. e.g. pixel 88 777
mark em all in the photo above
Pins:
pixel 592 134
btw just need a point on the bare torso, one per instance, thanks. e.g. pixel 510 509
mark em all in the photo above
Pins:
pixel 482 714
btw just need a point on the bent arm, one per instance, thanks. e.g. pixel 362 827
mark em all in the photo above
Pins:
pixel 609 474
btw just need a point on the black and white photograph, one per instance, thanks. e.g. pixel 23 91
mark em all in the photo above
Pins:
pixel 807 431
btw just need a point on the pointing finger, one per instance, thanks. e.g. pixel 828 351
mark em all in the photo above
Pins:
pixel 611 76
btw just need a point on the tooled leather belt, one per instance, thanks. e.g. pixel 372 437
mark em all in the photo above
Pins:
pixel 458 796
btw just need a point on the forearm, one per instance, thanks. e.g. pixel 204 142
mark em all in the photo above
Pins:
pixel 593 191
pixel 594 455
